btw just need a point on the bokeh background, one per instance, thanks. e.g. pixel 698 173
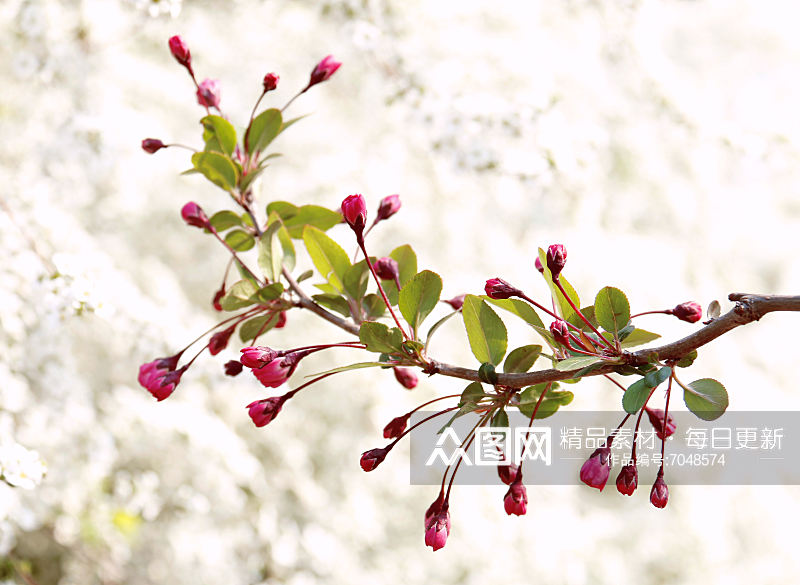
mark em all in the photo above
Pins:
pixel 658 140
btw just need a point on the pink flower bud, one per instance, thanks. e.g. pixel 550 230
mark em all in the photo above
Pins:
pixel 656 416
pixel 255 357
pixel 456 302
pixel 194 215
pixel 627 480
pixel 152 145
pixel 556 259
pixel 208 93
pixel 497 288
pixel 153 376
pixel 354 210
pixel 219 340
pixel 180 50
pixel 659 495
pixel 281 320
pixel 595 470
pixel 275 373
pixel 388 207
pixel 406 377
pixel 395 427
pixel 372 458
pixel 516 499
pixel 560 331
pixel 689 312
pixel 507 473
pixel 386 268
pixel 538 264
pixel 218 297
pixel 264 411
pixel 270 82
pixel 437 526
pixel 233 368
pixel 323 70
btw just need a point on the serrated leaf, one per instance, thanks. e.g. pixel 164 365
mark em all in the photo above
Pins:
pixel 220 133
pixel 321 218
pixel 706 398
pixel 578 362
pixel 519 308
pixel 284 209
pixel 639 337
pixel 240 240
pixel 419 297
pixel 238 296
pixel 217 168
pixel 611 308
pixel 487 334
pixel 328 257
pixel 588 312
pixel 635 396
pixel 263 130
pixel 522 359
pixel 225 219
pixel 333 302
pixel 379 338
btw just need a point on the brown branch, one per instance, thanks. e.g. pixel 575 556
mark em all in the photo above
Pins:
pixel 306 302
pixel 748 308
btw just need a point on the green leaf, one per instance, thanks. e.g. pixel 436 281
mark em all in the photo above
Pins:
pixel 472 394
pixel 333 302
pixel 217 168
pixel 315 215
pixel 419 297
pixel 225 219
pixel 268 293
pixel 653 379
pixel 550 404
pixel 706 398
pixel 379 338
pixel 488 337
pixel 612 309
pixel 289 254
pixel 524 311
pixel 238 296
pixel 635 396
pixel 356 279
pixel 240 240
pixel 329 258
pixel 284 209
pixel 487 373
pixel 587 312
pixel 688 359
pixel 522 359
pixel 270 252
pixel 291 122
pixel 373 306
pixel 406 260
pixel 305 276
pixel 564 307
pixel 576 363
pixel 257 326
pixel 218 134
pixel 263 130
pixel 639 337
pixel 500 419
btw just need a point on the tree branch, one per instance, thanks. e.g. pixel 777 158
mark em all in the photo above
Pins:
pixel 306 302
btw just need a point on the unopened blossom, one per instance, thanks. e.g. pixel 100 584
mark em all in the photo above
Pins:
pixel 194 215
pixel 263 412
pixel 354 210
pixel 507 473
pixel 406 377
pixel 659 494
pixel 218 297
pixel 388 207
pixel 516 499
pixel 396 427
pixel 323 71
pixel 456 302
pixel 690 312
pixel 437 527
pixel 387 268
pixel 560 331
pixel 152 374
pixel 275 373
pixel 219 340
pixel 595 470
pixel 556 259
pixel 208 93
pixel 180 50
pixel 233 368
pixel 627 480
pixel 372 458
pixel 152 145
pixel 257 356
pixel 656 416
pixel 270 82
pixel 497 288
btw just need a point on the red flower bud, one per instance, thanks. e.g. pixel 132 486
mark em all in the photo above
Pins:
pixel 281 320
pixel 659 495
pixel 656 416
pixel 255 357
pixel 218 297
pixel 456 302
pixel 516 499
pixel 560 331
pixel 386 268
pixel 194 215
pixel 354 210
pixel 323 71
pixel 152 145
pixel 219 340
pixel 270 82
pixel 233 368
pixel 507 473
pixel 180 50
pixel 595 470
pixel 627 480
pixel 395 427
pixel 388 207
pixel 689 312
pixel 159 376
pixel 538 264
pixel 497 288
pixel 264 411
pixel 372 458
pixel 437 524
pixel 406 377
pixel 556 259
pixel 275 373
pixel 208 93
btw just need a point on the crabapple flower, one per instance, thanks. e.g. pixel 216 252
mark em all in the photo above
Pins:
pixel 257 356
pixel 218 297
pixel 275 373
pixel 594 471
pixel 208 93
pixel 497 288
pixel 387 268
pixel 690 312
pixel 264 411
pixel 456 302
pixel 556 259
pixel 152 145
pixel 395 427
pixel 406 377
pixel 354 210
pixel 516 499
pixel 659 495
pixel 627 480
pixel 180 50
pixel 270 82
pixel 281 320
pixel 656 416
pixel 194 215
pixel 538 265
pixel 372 458
pixel 323 71
pixel 219 340
pixel 388 207
pixel 233 368
pixel 21 467
pixel 437 524
pixel 560 331
pixel 159 376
